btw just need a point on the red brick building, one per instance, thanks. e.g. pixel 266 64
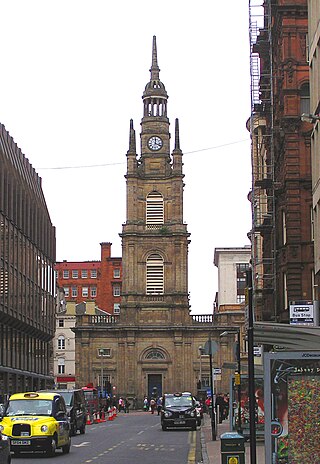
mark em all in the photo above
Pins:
pixel 281 196
pixel 98 281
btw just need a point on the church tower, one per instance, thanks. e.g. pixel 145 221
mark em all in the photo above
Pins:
pixel 155 238
pixel 153 346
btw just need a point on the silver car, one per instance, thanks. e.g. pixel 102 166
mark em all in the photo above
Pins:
pixel 5 456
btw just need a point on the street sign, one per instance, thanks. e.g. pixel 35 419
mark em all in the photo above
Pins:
pixel 213 345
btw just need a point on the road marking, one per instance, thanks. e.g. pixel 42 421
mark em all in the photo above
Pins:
pixel 192 450
pixel 84 443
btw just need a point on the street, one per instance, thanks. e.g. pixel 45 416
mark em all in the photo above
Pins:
pixel 130 438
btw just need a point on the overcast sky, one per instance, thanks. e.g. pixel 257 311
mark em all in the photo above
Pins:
pixel 72 75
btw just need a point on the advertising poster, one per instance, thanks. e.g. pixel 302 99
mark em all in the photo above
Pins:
pixel 292 399
pixel 245 411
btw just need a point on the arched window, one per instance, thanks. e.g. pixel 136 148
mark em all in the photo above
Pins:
pixel 61 342
pixel 154 210
pixel 155 354
pixel 305 99
pixel 155 274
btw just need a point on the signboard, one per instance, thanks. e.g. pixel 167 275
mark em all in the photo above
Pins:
pixel 292 385
pixel 210 347
pixel 303 313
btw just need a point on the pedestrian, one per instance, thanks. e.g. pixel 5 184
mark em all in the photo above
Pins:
pixel 207 404
pixel 220 407
pixel 126 405
pixel 121 404
pixel 134 403
pixel 145 404
pixel 152 405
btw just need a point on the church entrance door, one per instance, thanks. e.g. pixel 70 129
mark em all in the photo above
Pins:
pixel 154 380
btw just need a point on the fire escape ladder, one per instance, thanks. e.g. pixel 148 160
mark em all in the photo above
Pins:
pixel 262 160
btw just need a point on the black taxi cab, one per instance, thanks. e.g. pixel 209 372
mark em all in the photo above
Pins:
pixel 178 410
pixel 36 421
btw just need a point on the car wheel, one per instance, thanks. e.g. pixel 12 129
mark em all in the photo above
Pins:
pixel 194 427
pixel 164 427
pixel 53 446
pixel 66 448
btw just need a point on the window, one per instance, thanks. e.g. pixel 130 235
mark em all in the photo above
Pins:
pixel 93 292
pixel 285 291
pixel 66 291
pixel 241 281
pixel 85 291
pixel 84 274
pixel 74 292
pixel 116 308
pixel 93 274
pixel 304 99
pixel 61 323
pixel 74 274
pixel 154 209
pixel 104 352
pixel 116 290
pixel 61 366
pixel 284 227
pixel 116 273
pixel 155 354
pixel 155 274
pixel 65 274
pixel 61 342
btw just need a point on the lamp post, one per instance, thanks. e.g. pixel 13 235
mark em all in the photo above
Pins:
pixel 101 353
pixel 238 373
pixel 201 351
pixel 311 118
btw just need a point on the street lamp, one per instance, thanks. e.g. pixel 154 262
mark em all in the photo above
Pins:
pixel 201 352
pixel 312 118
pixel 237 374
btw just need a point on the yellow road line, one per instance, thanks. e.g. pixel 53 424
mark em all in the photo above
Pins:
pixel 192 449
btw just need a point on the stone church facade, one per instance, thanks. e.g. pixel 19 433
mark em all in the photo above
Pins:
pixel 155 341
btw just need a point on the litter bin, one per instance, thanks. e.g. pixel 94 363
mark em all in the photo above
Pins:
pixel 232 448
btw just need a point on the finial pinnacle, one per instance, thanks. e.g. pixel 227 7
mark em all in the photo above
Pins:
pixel 177 137
pixel 154 66
pixel 132 138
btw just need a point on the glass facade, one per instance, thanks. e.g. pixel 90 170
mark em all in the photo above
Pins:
pixel 27 277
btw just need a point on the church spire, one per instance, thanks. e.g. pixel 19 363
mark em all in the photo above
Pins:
pixel 155 70
pixel 155 95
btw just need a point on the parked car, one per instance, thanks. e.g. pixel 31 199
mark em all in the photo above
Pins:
pixel 76 408
pixel 178 410
pixel 5 455
pixel 36 421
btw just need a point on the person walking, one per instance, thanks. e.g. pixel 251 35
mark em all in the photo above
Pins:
pixel 126 405
pixel 152 405
pixel 145 404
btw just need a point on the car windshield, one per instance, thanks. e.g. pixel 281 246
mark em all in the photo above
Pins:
pixel 29 408
pixel 178 401
pixel 67 396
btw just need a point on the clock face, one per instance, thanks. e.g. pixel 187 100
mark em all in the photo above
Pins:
pixel 155 143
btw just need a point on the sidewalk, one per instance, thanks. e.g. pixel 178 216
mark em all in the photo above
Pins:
pixel 211 452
